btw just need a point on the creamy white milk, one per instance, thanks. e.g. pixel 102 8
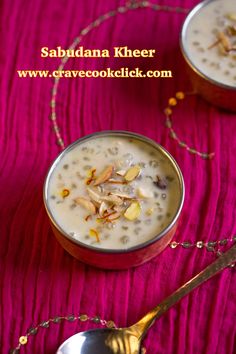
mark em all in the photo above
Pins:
pixel 140 193
pixel 211 41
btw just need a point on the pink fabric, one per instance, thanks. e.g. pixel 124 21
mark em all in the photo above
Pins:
pixel 38 279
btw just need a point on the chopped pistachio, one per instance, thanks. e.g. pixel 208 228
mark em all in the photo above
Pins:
pixel 133 211
pixel 132 173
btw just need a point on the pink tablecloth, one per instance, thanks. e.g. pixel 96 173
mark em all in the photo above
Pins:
pixel 39 280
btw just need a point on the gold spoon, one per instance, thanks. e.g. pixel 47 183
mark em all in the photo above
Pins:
pixel 128 340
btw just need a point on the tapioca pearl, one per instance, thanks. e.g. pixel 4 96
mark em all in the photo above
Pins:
pixel 226 72
pixel 153 163
pixel 136 222
pixel 128 189
pixel 231 65
pixel 124 239
pixel 72 206
pixel 66 166
pixel 86 158
pixel 170 178
pixel 125 227
pixel 87 167
pixel 196 43
pixel 160 217
pixel 137 230
pixel 113 150
pixel 142 164
pixel 201 50
pixel 110 226
pixel 78 175
pixel 220 22
pixel 105 237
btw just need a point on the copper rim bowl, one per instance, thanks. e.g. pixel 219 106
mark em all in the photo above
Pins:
pixel 118 258
pixel 217 93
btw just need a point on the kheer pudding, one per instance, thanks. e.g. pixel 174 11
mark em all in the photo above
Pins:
pixel 113 192
pixel 210 40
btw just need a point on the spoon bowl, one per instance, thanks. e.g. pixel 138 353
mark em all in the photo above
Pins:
pixel 128 340
pixel 102 341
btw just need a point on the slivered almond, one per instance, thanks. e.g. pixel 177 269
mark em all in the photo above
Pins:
pixel 224 41
pixel 104 176
pixel 94 195
pixel 113 216
pixel 122 195
pixel 103 207
pixel 132 173
pixel 87 204
pixel 133 211
pixel 113 199
pixel 116 181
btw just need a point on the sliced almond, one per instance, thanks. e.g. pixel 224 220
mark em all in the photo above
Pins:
pixel 222 49
pixel 94 195
pixel 103 207
pixel 116 181
pixel 113 216
pixel 104 176
pixel 122 195
pixel 113 199
pixel 121 172
pixel 133 211
pixel 144 193
pixel 87 204
pixel 224 41
pixel 132 173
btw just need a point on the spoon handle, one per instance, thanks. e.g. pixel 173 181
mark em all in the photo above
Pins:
pixel 146 322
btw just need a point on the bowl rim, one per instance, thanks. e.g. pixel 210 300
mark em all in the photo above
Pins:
pixel 110 133
pixel 187 20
